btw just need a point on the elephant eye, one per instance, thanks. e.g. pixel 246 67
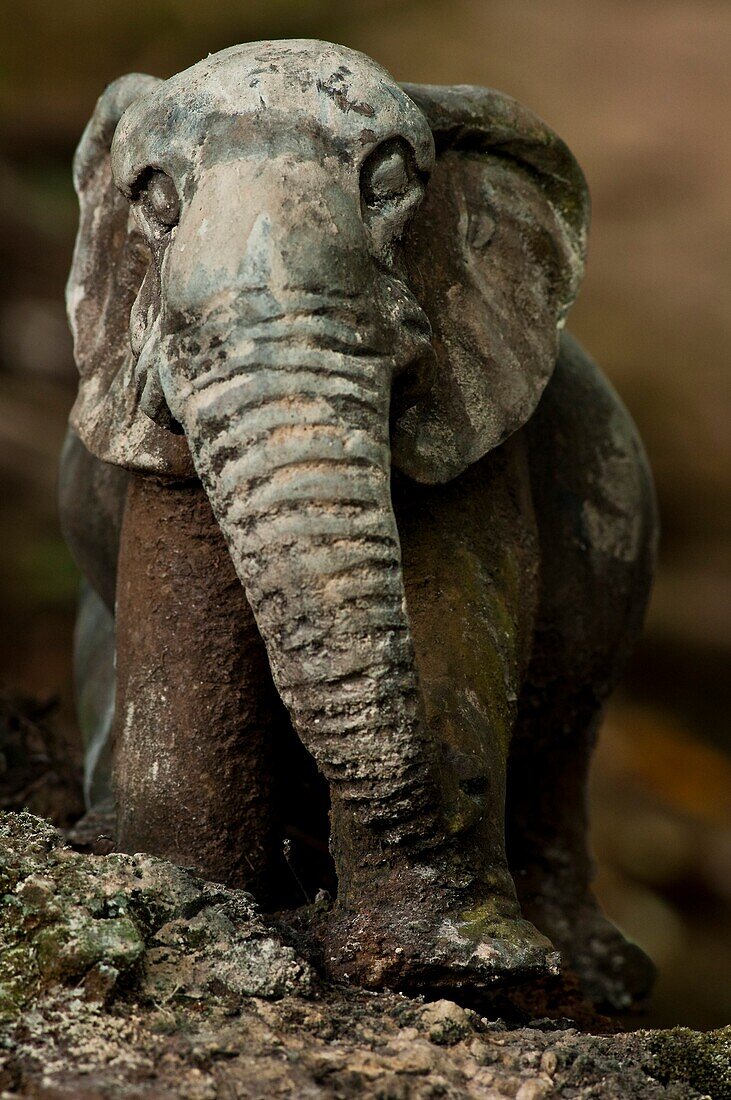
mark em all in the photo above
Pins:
pixel 391 189
pixel 158 203
pixel 389 174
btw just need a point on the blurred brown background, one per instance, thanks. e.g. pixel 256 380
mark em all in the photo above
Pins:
pixel 640 91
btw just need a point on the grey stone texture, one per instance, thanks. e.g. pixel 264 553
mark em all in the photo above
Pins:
pixel 376 534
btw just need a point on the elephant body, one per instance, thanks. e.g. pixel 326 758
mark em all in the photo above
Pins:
pixel 376 546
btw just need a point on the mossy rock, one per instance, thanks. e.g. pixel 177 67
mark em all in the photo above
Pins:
pixel 119 923
pixel 701 1059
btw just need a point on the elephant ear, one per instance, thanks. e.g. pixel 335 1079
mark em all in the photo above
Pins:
pixel 111 273
pixel 495 256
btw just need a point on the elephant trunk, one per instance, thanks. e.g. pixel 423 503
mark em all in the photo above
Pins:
pixel 290 438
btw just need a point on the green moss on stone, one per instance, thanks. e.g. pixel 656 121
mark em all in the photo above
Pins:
pixel 699 1059
pixel 68 919
pixel 18 978
pixel 494 919
pixel 68 951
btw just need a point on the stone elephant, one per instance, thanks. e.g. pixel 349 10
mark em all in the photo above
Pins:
pixel 377 535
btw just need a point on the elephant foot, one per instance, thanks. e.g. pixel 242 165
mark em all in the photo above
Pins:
pixel 614 973
pixel 404 940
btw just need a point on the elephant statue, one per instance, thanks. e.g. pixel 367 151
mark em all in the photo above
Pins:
pixel 372 534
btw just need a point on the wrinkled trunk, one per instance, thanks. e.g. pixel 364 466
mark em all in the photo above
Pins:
pixel 291 443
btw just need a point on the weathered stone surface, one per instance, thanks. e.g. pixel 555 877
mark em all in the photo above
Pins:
pixel 104 924
pixel 316 314
pixel 187 993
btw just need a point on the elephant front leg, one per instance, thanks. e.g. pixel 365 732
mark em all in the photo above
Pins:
pixel 448 917
pixel 196 710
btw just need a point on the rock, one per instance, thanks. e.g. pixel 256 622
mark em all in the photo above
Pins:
pixel 128 976
pixel 549 1062
pixel 704 1059
pixel 534 1090
pixel 446 1022
pixel 130 921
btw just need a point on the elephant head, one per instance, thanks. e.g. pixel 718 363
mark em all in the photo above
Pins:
pixel 291 272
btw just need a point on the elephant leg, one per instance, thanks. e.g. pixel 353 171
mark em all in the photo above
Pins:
pixel 548 829
pixel 197 716
pixel 94 687
pixel 91 497
pixel 94 683
pixel 597 527
pixel 470 562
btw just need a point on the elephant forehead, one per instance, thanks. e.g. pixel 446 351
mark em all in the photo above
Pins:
pixel 305 96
